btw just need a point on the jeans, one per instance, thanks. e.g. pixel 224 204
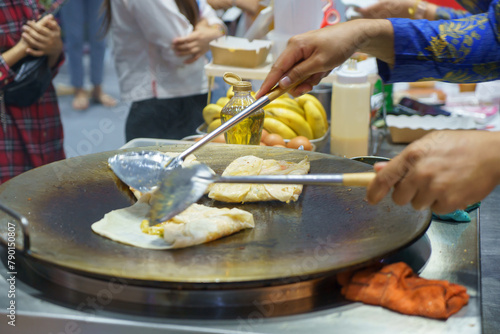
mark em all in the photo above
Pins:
pixel 82 20
pixel 173 118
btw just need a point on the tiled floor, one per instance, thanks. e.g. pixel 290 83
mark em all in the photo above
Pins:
pixel 98 128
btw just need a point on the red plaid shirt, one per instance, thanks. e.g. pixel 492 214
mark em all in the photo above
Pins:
pixel 29 136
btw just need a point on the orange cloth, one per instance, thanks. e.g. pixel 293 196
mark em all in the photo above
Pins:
pixel 397 288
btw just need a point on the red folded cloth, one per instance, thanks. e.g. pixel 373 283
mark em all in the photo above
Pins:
pixel 397 288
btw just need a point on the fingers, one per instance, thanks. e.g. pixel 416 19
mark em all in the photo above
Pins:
pixel 288 59
pixel 405 191
pixel 53 26
pixel 186 49
pixel 389 173
pixel 34 43
pixel 34 53
pixel 193 59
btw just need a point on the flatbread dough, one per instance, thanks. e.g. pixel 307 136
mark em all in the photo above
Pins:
pixel 251 165
pixel 196 225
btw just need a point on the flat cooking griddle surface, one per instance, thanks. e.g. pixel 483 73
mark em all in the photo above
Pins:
pixel 327 230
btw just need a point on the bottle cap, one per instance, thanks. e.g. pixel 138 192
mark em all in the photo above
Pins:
pixel 238 84
pixel 350 74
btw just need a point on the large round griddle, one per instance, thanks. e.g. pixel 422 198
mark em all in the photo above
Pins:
pixel 329 229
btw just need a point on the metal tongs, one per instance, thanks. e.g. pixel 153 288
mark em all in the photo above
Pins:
pixel 185 186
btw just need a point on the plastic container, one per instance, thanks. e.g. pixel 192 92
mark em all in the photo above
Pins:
pixel 294 17
pixel 350 114
pixel 249 130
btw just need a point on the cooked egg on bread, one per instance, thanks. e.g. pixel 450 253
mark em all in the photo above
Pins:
pixel 251 165
pixel 196 225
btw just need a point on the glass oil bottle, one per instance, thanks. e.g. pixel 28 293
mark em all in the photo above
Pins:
pixel 249 130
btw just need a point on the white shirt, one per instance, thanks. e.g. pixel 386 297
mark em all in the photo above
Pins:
pixel 142 35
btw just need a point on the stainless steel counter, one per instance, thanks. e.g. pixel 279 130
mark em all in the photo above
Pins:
pixel 454 256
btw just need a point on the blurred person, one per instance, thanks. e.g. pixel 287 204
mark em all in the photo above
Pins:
pixel 81 20
pixel 444 171
pixel 29 136
pixel 250 9
pixel 159 51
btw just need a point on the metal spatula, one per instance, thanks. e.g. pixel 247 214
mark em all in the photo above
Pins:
pixel 127 165
pixel 182 187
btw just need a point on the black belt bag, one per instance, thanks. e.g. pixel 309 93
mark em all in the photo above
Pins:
pixel 30 83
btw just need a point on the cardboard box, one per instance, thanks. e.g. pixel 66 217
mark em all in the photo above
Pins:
pixel 405 129
pixel 239 52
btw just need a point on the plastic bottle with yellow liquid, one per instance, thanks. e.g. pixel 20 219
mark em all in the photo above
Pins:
pixel 249 130
pixel 350 114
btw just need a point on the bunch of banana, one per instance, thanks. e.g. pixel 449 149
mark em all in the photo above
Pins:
pixel 303 116
pixel 301 100
pixel 211 113
pixel 292 119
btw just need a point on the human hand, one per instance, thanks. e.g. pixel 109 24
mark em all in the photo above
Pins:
pixel 43 37
pixel 196 44
pixel 444 171
pixel 311 56
pixel 220 4
pixel 386 9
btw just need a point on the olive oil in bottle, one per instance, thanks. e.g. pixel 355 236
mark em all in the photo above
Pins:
pixel 249 130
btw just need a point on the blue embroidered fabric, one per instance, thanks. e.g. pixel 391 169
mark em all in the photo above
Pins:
pixel 463 49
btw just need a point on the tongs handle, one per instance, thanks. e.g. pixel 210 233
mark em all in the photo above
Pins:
pixel 346 179
pixel 276 92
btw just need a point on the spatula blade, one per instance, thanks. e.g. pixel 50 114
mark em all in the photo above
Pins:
pixel 179 188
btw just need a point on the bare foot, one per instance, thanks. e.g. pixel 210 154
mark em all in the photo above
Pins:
pixel 81 100
pixel 100 97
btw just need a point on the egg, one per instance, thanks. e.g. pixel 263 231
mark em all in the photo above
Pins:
pixel 219 139
pixel 300 141
pixel 274 139
pixel 264 135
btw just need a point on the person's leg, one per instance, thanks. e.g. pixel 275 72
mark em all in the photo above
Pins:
pixel 192 114
pixel 72 23
pixel 97 51
pixel 181 116
pixel 166 118
pixel 142 120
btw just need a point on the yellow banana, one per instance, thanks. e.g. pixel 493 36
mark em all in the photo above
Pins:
pixel 214 125
pixel 289 100
pixel 281 103
pixel 273 125
pixel 315 119
pixel 211 112
pixel 223 101
pixel 230 93
pixel 286 95
pixel 308 97
pixel 296 122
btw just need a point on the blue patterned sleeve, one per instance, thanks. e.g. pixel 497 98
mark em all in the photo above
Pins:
pixel 460 50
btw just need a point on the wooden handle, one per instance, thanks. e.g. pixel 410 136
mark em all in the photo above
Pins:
pixel 358 179
pixel 277 91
